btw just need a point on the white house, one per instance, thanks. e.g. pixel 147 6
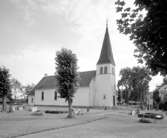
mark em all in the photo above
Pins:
pixel 97 87
pixel 163 93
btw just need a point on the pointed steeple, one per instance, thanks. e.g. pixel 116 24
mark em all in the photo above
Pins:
pixel 106 55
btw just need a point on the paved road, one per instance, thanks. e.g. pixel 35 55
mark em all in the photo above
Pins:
pixel 107 125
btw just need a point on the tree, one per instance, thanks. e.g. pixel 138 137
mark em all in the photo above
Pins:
pixel 135 83
pixel 145 23
pixel 29 89
pixel 5 91
pixel 16 88
pixel 156 98
pixel 164 81
pixel 66 76
pixel 125 82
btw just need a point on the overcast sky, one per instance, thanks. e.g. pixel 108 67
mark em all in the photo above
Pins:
pixel 31 31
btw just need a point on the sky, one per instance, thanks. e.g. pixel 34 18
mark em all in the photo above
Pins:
pixel 32 31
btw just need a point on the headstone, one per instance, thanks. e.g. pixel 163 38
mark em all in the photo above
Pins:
pixel 20 108
pixel 133 112
pixel 34 109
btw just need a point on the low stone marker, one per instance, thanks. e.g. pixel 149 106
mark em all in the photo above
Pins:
pixel 133 113
pixel 34 109
pixel 20 108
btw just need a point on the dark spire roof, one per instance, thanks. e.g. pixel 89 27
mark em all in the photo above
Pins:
pixel 106 55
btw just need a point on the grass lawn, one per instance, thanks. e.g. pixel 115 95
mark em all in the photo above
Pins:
pixel 93 123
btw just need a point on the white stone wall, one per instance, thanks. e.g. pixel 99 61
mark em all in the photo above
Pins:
pixel 92 93
pixel 31 100
pixel 81 97
pixel 49 95
pixel 105 86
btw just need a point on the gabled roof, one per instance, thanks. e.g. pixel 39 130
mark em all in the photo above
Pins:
pixel 86 77
pixel 106 55
pixel 47 82
pixel 50 82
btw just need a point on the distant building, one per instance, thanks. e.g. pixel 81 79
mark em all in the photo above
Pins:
pixel 163 93
pixel 97 87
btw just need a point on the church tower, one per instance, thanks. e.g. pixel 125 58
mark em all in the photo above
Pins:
pixel 105 75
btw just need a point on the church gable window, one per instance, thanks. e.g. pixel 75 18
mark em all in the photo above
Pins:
pixel 105 70
pixel 104 97
pixel 42 96
pixel 101 70
pixel 55 96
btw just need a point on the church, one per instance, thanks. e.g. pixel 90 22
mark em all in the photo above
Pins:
pixel 97 88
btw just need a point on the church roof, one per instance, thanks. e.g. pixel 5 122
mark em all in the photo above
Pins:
pixel 106 55
pixel 47 82
pixel 86 77
pixel 50 82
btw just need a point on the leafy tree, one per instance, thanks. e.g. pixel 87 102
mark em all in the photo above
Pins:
pixel 164 81
pixel 146 25
pixel 125 82
pixel 5 91
pixel 29 88
pixel 135 82
pixel 16 88
pixel 67 76
pixel 156 98
pixel 119 97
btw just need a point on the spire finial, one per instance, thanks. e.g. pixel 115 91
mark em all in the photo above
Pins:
pixel 106 23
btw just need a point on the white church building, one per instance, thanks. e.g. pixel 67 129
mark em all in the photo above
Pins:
pixel 96 88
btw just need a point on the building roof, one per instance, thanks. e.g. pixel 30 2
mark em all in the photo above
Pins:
pixel 47 82
pixel 86 77
pixel 106 55
pixel 50 82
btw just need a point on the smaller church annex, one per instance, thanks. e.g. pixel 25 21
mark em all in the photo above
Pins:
pixel 96 87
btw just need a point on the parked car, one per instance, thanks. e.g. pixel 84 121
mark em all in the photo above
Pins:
pixel 151 115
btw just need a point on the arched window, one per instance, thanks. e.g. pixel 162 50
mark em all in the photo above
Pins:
pixel 105 70
pixel 104 97
pixel 101 70
pixel 42 96
pixel 55 97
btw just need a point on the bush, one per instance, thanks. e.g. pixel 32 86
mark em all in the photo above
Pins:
pixel 55 112
pixel 163 106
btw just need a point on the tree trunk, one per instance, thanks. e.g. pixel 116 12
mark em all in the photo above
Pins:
pixel 141 100
pixel 127 97
pixel 70 111
pixel 4 103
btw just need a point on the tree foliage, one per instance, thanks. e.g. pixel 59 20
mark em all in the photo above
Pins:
pixel 135 82
pixel 146 25
pixel 16 87
pixel 5 89
pixel 156 98
pixel 29 89
pixel 67 76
